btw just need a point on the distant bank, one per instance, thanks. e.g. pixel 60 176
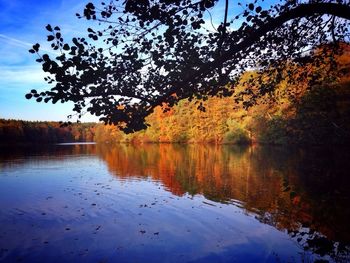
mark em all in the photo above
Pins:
pixel 39 132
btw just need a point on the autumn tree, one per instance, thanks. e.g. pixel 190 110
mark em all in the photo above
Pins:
pixel 144 53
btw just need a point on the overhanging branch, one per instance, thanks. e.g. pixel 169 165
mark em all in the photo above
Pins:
pixel 303 10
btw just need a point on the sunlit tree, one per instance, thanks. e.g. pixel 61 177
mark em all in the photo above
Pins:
pixel 143 53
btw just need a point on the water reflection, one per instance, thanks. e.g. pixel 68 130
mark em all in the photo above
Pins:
pixel 173 203
pixel 304 192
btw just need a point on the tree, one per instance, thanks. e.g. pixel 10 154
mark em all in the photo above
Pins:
pixel 144 53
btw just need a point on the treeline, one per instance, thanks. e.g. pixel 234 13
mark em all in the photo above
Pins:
pixel 16 131
pixel 299 114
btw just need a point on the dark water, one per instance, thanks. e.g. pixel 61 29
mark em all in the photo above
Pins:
pixel 173 203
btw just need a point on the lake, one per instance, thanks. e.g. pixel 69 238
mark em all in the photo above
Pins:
pixel 174 203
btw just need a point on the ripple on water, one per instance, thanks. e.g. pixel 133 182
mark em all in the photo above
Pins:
pixel 74 208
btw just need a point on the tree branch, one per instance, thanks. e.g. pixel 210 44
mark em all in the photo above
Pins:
pixel 303 10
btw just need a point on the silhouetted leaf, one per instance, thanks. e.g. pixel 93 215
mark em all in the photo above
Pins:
pixel 50 38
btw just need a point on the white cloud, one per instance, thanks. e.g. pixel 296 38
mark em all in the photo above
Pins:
pixel 21 75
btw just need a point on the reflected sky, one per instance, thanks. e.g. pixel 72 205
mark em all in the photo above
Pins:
pixel 171 203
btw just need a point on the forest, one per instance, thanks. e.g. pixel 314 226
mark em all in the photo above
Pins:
pixel 299 113
pixel 23 132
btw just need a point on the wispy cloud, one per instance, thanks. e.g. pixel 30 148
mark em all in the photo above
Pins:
pixel 22 24
pixel 15 41
pixel 21 43
pixel 21 75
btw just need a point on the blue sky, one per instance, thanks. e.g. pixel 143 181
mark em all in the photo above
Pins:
pixel 22 24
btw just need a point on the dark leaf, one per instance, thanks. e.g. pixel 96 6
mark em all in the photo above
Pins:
pixel 49 28
pixel 50 37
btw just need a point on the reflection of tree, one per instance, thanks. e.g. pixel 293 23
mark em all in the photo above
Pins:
pixel 318 186
pixel 316 182
pixel 290 190
pixel 321 245
pixel 11 157
pixel 156 162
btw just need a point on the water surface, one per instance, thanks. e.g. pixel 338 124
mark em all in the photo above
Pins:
pixel 173 203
